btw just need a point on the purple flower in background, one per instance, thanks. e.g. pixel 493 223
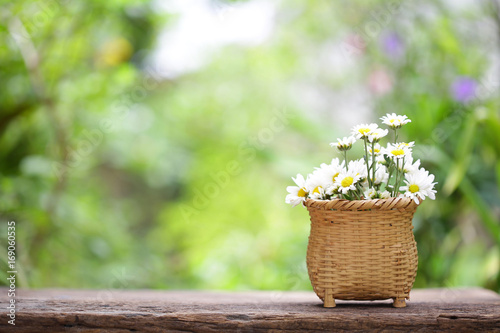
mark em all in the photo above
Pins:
pixel 392 45
pixel 463 89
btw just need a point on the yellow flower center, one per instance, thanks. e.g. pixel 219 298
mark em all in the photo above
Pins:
pixel 392 120
pixel 397 152
pixel 414 188
pixel 347 181
pixel 302 193
pixel 335 176
pixel 364 130
pixel 316 190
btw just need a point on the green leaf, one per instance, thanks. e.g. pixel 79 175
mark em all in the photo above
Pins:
pixel 463 155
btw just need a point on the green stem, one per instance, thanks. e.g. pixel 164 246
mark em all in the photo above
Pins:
pixel 356 194
pixel 395 135
pixel 389 180
pixel 390 167
pixel 396 180
pixel 366 161
pixel 401 176
pixel 345 160
pixel 359 191
pixel 373 162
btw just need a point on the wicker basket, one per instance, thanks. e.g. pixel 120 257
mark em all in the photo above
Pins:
pixel 362 250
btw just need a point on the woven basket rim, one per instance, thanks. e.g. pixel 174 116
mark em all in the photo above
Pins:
pixel 374 204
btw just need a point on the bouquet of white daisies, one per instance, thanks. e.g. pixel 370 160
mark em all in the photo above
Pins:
pixel 382 172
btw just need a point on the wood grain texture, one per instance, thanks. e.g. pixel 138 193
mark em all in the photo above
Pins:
pixel 428 310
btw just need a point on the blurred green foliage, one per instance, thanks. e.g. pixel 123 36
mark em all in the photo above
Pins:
pixel 120 178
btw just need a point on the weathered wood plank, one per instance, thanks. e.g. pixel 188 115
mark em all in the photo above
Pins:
pixel 157 311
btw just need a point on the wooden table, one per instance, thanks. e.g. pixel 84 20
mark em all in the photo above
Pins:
pixel 429 310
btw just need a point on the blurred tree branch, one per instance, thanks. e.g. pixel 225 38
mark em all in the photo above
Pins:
pixel 31 60
pixel 15 112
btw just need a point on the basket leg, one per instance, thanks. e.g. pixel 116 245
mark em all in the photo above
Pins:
pixel 399 302
pixel 329 300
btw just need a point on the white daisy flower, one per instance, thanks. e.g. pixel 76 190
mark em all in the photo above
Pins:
pixel 337 164
pixel 380 159
pixel 332 191
pixel 318 193
pixel 362 131
pixel 394 150
pixel 410 166
pixel 419 185
pixel 395 121
pixel 370 193
pixel 377 134
pixel 344 144
pixel 315 186
pixel 327 173
pixel 381 175
pixel 297 194
pixel 385 195
pixel 378 150
pixel 347 180
pixel 406 144
pixel 358 167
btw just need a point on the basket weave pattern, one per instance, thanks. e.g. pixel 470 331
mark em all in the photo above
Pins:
pixel 362 250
